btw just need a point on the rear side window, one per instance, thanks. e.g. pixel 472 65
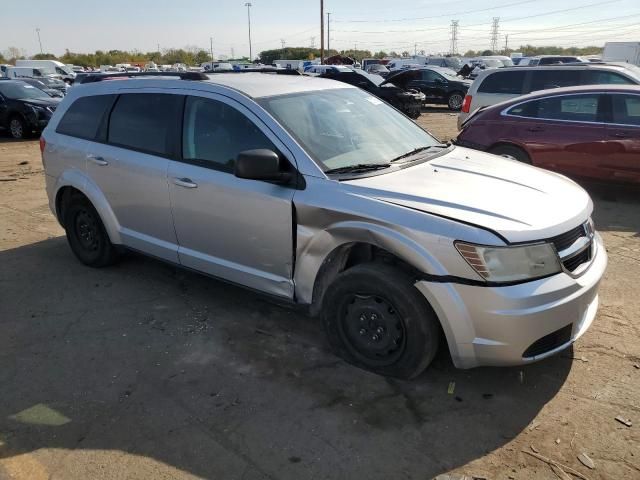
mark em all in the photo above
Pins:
pixel 602 77
pixel 85 118
pixel 510 82
pixel 215 133
pixel 554 78
pixel 626 109
pixel 577 108
pixel 147 122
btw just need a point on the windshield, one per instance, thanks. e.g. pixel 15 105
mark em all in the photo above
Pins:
pixel 492 62
pixel 448 73
pixel 507 62
pixel 16 91
pixel 346 127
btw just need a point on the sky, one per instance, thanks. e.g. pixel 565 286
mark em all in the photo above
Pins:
pixel 400 25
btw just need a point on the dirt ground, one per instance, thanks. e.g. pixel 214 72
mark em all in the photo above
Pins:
pixel 144 371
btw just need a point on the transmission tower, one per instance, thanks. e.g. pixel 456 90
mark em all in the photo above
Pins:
pixel 313 42
pixel 494 34
pixel 453 49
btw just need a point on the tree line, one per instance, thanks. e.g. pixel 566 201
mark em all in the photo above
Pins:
pixel 197 56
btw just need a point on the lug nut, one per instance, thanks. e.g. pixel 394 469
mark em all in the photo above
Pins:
pixel 375 338
pixel 380 330
pixel 363 331
pixel 374 316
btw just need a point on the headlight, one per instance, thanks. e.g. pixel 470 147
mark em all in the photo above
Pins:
pixel 511 264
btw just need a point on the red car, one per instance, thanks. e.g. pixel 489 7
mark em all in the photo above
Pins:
pixel 591 132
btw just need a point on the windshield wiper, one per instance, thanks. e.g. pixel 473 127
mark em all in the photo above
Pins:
pixel 420 149
pixel 359 167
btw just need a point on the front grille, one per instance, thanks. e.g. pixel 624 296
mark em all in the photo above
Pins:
pixel 577 260
pixel 549 342
pixel 565 240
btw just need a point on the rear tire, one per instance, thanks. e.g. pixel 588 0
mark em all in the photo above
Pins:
pixel 454 102
pixel 512 152
pixel 86 234
pixel 376 319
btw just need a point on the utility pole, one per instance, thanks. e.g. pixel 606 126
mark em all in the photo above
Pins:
pixel 415 49
pixel 158 48
pixel 248 5
pixel 328 30
pixel 39 41
pixel 211 41
pixel 282 41
pixel 453 49
pixel 321 32
pixel 506 44
pixel 233 53
pixel 495 24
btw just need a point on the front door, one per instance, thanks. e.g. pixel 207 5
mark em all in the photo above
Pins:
pixel 236 229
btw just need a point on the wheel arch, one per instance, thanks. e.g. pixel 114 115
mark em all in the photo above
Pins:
pixel 74 182
pixel 342 246
pixel 508 143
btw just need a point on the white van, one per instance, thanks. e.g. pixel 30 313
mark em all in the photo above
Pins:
pixel 51 67
pixel 628 52
pixel 27 72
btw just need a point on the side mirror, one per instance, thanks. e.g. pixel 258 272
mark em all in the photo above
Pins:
pixel 260 164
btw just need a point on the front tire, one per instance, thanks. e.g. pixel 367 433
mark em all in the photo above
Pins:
pixel 454 102
pixel 18 128
pixel 376 319
pixel 512 152
pixel 86 234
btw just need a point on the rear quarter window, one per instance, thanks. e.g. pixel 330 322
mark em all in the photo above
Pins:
pixel 509 82
pixel 86 117
pixel 603 77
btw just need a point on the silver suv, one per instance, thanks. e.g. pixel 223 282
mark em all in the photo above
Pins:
pixel 316 192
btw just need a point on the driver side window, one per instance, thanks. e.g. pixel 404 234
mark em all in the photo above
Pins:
pixel 213 134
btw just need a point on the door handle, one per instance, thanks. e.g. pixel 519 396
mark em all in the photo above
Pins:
pixel 184 182
pixel 97 160
pixel 620 135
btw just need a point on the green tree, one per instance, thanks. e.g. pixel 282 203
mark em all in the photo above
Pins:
pixel 44 56
pixel 202 56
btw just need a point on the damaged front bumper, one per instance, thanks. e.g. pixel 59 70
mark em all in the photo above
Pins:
pixel 518 324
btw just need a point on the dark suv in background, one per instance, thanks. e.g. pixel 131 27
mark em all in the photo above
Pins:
pixel 24 108
pixel 408 101
pixel 439 85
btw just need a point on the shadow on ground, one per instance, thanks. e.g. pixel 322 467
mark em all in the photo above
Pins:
pixel 211 379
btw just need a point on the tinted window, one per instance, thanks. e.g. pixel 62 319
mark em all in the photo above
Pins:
pixel 215 133
pixel 146 121
pixel 85 116
pixel 554 78
pixel 578 108
pixel 603 77
pixel 503 82
pixel 430 76
pixel 626 109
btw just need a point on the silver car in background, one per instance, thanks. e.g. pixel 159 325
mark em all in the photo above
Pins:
pixel 318 193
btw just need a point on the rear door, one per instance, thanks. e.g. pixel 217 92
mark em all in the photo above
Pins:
pixel 236 229
pixel 553 77
pixel 564 133
pixel 623 163
pixel 130 168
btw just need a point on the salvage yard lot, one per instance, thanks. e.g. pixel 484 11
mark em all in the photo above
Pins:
pixel 144 370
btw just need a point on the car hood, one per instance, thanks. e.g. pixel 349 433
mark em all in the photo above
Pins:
pixel 519 202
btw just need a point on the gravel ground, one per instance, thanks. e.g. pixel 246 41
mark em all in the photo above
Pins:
pixel 143 370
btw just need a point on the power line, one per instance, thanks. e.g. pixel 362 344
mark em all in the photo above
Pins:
pixel 466 12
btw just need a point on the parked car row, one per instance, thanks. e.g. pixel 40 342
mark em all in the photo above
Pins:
pixel 24 108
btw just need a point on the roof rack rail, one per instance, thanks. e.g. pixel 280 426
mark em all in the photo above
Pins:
pixel 99 76
pixel 277 71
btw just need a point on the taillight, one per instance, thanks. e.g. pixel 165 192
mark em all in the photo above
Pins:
pixel 43 144
pixel 466 103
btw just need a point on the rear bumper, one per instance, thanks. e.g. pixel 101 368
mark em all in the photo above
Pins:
pixel 497 325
